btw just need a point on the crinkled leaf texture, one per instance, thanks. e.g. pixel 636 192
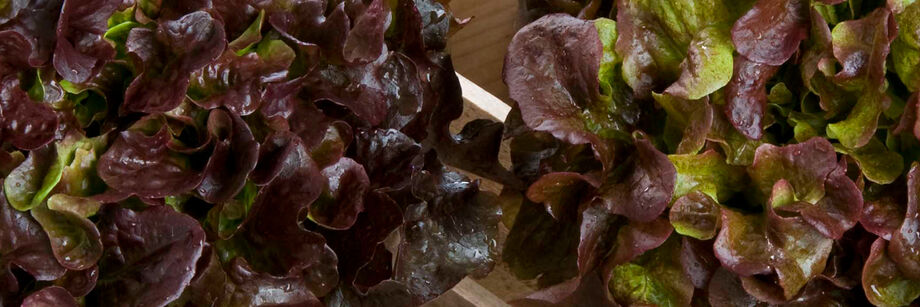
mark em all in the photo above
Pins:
pixel 554 78
pixel 150 256
pixel 23 245
pixel 683 47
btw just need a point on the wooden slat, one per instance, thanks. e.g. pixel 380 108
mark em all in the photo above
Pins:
pixel 478 50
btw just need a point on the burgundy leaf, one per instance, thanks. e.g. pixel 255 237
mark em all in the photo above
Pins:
pixel 81 51
pixel 25 245
pixel 234 157
pixel 52 296
pixel 646 189
pixel 27 124
pixel 183 46
pixel 345 199
pixel 771 31
pixel 863 45
pixel 364 42
pixel 554 75
pixel 746 96
pixel 142 165
pixel 150 255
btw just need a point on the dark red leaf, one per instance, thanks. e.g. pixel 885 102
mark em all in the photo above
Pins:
pixel 234 157
pixel 150 255
pixel 746 96
pixel 142 165
pixel 27 124
pixel 52 296
pixel 645 191
pixel 771 31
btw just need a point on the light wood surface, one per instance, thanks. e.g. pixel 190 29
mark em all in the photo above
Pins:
pixel 478 50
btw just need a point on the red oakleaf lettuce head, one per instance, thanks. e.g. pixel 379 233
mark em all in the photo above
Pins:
pixel 149 161
pixel 149 257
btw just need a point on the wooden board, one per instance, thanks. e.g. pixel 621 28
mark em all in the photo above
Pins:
pixel 478 50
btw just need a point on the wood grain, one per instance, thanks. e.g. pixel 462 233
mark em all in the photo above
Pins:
pixel 478 50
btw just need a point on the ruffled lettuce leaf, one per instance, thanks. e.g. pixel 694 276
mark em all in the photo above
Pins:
pixel 150 256
pixel 645 187
pixel 662 42
pixel 80 50
pixel 770 32
pixel 456 222
pixel 143 165
pixel 905 49
pixel 27 124
pixel 50 296
pixel 167 56
pixel 746 96
pixel 657 277
pixel 696 215
pixel 555 78
pixel 883 282
pixel 903 246
pixel 234 156
pixel 708 173
pixel 25 246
